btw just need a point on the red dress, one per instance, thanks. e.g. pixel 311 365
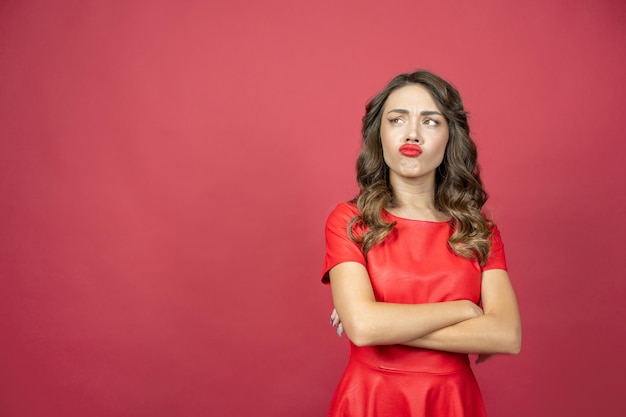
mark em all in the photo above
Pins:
pixel 413 265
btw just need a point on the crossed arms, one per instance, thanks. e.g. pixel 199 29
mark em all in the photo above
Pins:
pixel 453 326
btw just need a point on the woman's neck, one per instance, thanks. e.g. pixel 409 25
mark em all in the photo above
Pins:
pixel 416 200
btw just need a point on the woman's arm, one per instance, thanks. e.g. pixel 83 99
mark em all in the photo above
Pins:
pixel 498 330
pixel 369 322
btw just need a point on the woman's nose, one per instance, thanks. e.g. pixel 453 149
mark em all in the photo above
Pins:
pixel 413 135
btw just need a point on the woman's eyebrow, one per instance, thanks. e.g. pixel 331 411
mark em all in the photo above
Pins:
pixel 402 111
pixel 431 113
pixel 422 113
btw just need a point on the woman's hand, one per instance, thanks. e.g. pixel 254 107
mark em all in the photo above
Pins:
pixel 335 321
pixel 482 357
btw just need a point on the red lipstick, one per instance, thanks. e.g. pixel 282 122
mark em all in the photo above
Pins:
pixel 409 149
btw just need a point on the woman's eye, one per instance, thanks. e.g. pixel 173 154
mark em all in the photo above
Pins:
pixel 395 121
pixel 431 122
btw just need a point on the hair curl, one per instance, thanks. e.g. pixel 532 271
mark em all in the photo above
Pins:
pixel 458 188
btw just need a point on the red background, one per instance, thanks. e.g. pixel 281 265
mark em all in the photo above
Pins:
pixel 167 168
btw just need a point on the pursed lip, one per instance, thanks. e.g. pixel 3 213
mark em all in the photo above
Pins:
pixel 410 149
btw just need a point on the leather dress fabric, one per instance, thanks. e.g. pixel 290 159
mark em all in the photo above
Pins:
pixel 413 265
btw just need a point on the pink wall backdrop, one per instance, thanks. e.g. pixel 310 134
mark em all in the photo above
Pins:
pixel 166 168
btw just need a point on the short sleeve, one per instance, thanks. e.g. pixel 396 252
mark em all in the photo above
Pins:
pixel 339 247
pixel 496 259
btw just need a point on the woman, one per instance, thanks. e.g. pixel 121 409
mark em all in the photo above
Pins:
pixel 410 259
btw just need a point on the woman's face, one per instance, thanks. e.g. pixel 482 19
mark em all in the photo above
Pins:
pixel 414 134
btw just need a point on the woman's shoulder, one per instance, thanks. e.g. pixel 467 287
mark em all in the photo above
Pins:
pixel 343 213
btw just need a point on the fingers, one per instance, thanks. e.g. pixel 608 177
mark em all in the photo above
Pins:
pixel 482 357
pixel 334 318
pixel 336 322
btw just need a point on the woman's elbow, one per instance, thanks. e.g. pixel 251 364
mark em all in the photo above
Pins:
pixel 507 335
pixel 359 341
pixel 359 333
pixel 514 345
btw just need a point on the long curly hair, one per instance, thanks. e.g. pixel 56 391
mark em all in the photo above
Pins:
pixel 459 191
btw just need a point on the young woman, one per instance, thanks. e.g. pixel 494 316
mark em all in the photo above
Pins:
pixel 417 272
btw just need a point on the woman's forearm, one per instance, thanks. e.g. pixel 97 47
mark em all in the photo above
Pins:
pixel 379 323
pixel 499 330
pixel 488 333
pixel 370 322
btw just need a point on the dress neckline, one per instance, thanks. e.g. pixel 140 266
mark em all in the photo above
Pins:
pixel 415 220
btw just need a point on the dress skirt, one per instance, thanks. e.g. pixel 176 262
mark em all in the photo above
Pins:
pixel 369 390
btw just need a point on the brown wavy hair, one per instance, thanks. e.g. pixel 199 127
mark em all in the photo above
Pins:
pixel 458 188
